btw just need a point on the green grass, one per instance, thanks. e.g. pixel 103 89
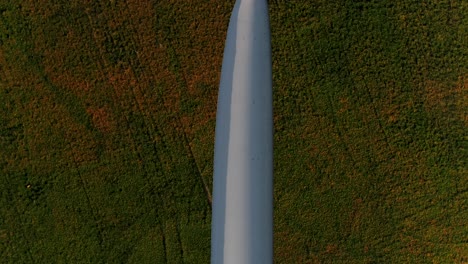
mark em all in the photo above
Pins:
pixel 107 113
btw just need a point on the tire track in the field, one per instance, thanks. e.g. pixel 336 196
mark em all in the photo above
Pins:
pixel 153 191
pixel 192 160
pixel 94 211
pixel 156 158
pixel 148 127
pixel 378 119
pixel 179 126
pixel 183 82
pixel 179 239
pixel 164 241
pixel 147 131
pixel 345 144
pixel 329 95
pixel 338 130
pixel 102 66
pixel 83 183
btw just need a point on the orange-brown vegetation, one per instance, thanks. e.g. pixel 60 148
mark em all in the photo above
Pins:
pixel 102 119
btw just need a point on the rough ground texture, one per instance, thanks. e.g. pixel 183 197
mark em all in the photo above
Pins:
pixel 107 112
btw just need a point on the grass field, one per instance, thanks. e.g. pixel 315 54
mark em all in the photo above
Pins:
pixel 107 113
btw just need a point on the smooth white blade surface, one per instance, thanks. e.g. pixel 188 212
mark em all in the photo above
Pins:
pixel 242 223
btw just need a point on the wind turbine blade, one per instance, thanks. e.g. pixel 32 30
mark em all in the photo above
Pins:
pixel 242 220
